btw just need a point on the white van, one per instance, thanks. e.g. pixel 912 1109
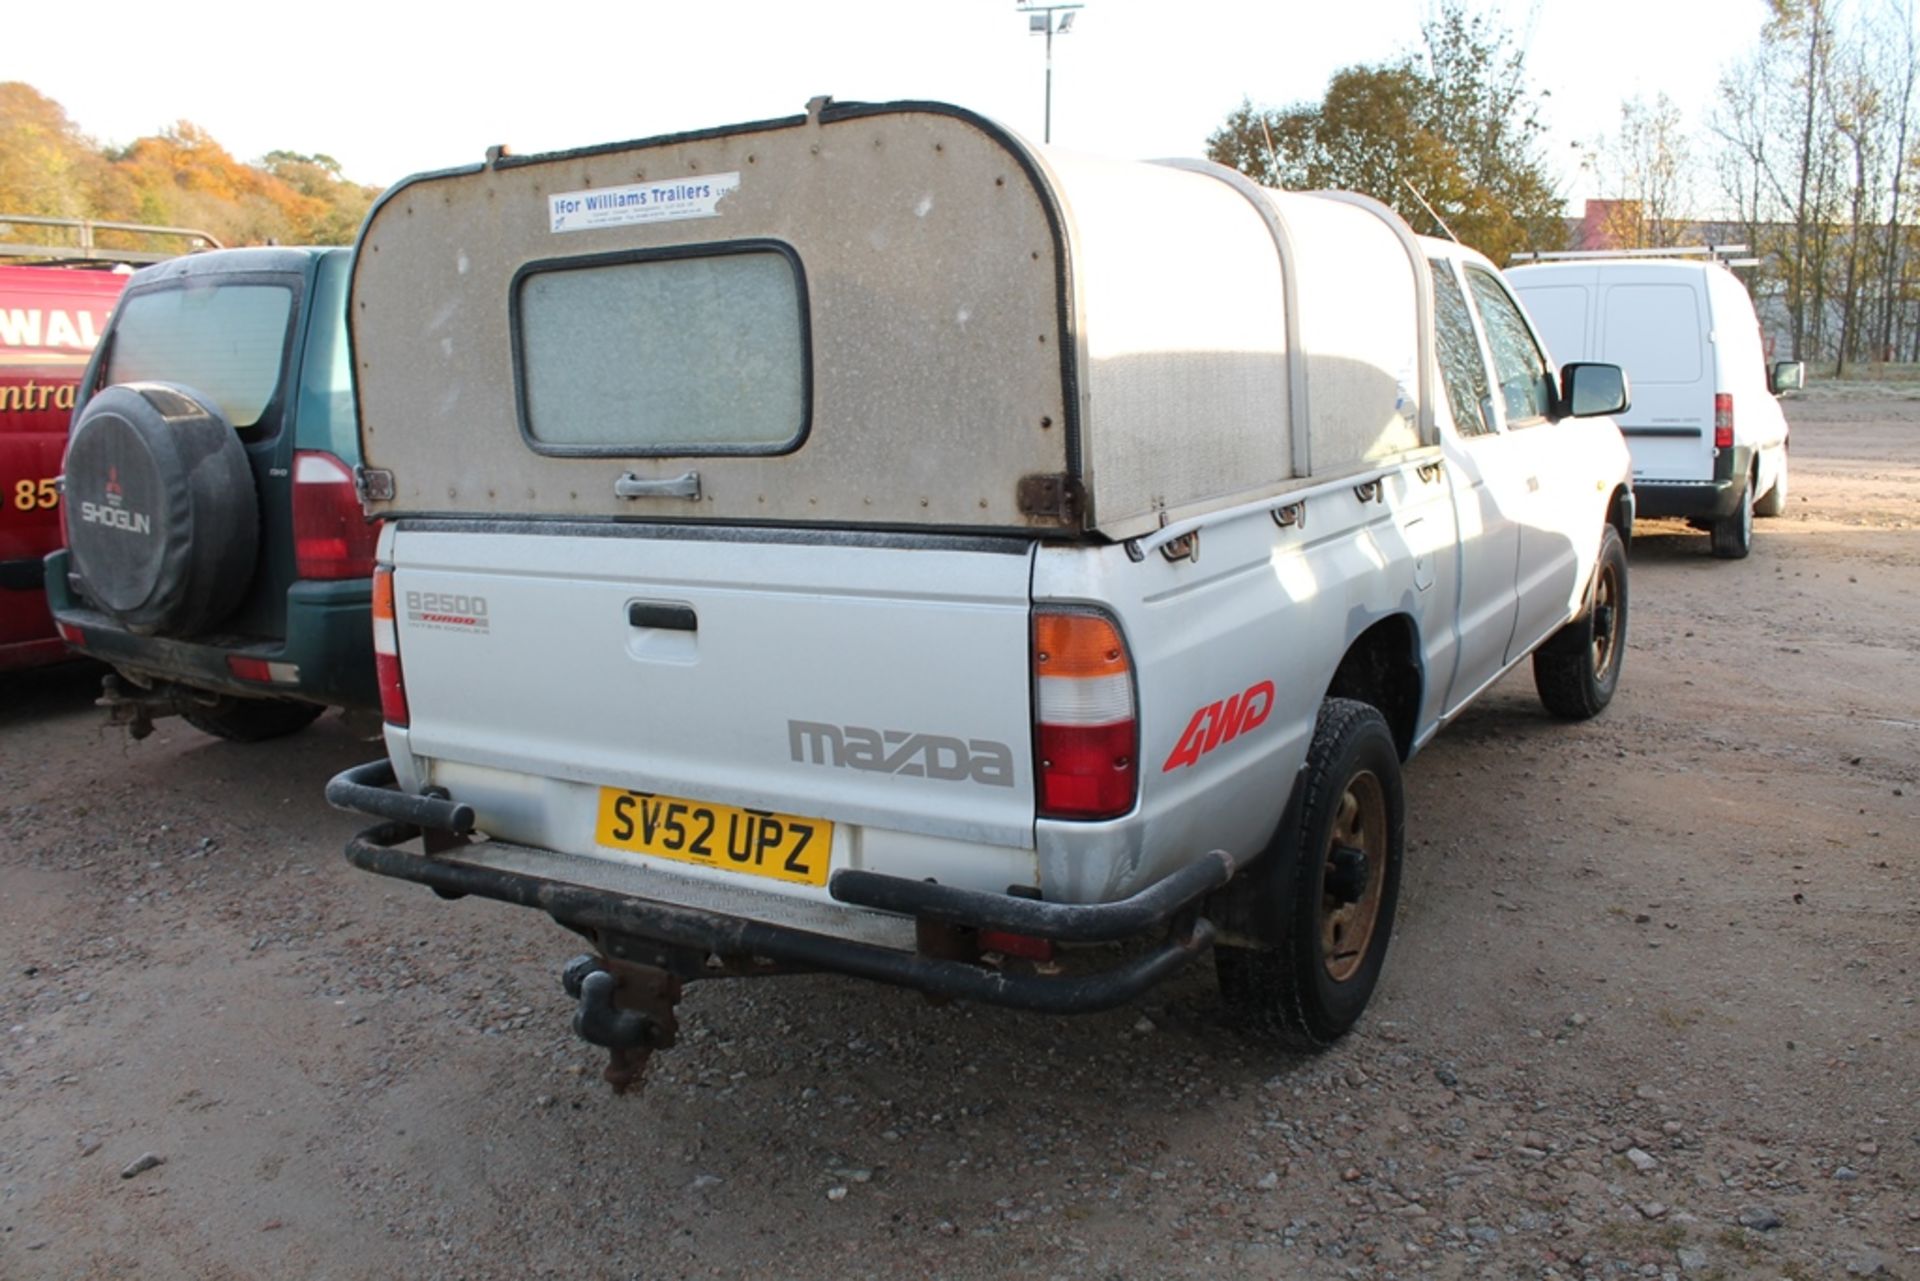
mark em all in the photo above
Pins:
pixel 1709 441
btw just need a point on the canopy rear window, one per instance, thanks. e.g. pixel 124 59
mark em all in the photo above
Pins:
pixel 225 341
pixel 697 351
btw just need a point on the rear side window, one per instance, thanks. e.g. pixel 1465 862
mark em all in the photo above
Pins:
pixel 1655 332
pixel 1526 386
pixel 225 341
pixel 326 419
pixel 702 352
pixel 1461 367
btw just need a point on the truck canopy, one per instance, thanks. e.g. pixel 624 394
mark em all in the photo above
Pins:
pixel 899 316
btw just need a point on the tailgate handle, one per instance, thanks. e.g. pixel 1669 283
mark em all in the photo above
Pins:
pixel 683 486
pixel 646 613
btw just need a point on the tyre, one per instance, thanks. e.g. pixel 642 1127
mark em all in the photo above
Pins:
pixel 1775 502
pixel 252 720
pixel 1323 893
pixel 1578 668
pixel 160 512
pixel 1732 534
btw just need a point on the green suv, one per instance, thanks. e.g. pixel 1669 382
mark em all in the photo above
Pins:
pixel 216 552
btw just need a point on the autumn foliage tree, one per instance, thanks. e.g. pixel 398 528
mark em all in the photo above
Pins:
pixel 178 177
pixel 1447 135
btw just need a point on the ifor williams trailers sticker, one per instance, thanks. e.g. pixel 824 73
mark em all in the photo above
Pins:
pixel 666 201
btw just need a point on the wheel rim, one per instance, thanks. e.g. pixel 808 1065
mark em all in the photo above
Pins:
pixel 1347 924
pixel 1606 622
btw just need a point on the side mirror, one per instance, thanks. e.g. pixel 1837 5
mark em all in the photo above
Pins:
pixel 1787 375
pixel 1589 389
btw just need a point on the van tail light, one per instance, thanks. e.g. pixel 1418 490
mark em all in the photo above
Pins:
pixel 1085 731
pixel 332 538
pixel 1722 421
pixel 386 651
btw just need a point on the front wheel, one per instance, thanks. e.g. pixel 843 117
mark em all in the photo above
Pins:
pixel 1323 894
pixel 1578 668
pixel 252 720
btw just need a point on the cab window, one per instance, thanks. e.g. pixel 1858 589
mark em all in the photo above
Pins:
pixel 1526 379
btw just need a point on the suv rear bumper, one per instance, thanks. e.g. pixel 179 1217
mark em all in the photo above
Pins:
pixel 1172 903
pixel 328 649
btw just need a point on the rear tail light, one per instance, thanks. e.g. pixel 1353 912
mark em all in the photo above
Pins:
pixel 70 634
pixel 332 538
pixel 259 669
pixel 386 651
pixel 1085 733
pixel 1722 421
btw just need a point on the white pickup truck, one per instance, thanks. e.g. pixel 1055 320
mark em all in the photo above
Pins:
pixel 868 542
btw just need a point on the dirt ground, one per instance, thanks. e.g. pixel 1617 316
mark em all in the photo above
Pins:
pixel 1650 1009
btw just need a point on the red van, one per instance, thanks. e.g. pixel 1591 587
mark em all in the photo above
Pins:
pixel 50 319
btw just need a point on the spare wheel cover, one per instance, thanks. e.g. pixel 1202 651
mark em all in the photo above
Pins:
pixel 161 516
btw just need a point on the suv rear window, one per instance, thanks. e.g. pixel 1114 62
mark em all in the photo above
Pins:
pixel 226 342
pixel 702 353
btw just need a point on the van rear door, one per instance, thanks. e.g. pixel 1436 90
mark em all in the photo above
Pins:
pixel 1656 325
pixel 50 320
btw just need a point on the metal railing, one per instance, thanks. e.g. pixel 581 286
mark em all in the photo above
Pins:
pixel 1723 254
pixel 83 246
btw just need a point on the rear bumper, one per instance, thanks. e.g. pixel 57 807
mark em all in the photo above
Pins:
pixel 1698 500
pixel 328 645
pixel 1707 500
pixel 1168 910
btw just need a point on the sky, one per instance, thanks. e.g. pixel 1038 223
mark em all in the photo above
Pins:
pixel 394 88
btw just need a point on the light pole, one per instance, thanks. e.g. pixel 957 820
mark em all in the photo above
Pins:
pixel 1040 21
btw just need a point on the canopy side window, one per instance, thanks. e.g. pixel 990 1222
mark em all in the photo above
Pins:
pixel 1461 368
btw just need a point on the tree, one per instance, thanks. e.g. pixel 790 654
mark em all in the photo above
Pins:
pixel 180 176
pixel 1648 172
pixel 1447 137
pixel 48 168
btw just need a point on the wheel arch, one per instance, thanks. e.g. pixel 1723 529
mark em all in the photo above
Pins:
pixel 1382 667
pixel 1620 512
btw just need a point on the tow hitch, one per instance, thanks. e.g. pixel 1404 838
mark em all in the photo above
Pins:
pixel 137 709
pixel 626 1009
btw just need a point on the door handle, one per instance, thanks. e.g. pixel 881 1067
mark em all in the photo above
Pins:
pixel 673 618
pixel 683 486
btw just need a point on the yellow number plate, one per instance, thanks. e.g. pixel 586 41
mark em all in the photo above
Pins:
pixel 756 842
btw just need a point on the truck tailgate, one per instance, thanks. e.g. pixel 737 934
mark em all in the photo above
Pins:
pixel 882 682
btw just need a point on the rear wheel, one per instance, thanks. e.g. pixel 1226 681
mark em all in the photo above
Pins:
pixel 251 720
pixel 1732 534
pixel 1578 668
pixel 1323 894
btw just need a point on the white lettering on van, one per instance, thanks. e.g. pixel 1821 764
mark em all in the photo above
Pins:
pixel 31 327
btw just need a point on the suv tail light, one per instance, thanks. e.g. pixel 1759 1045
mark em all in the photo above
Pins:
pixel 1722 420
pixel 386 651
pixel 1085 734
pixel 332 538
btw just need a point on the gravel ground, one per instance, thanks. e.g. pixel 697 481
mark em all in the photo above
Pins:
pixel 1650 1009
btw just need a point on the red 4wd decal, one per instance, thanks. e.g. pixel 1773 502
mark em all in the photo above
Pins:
pixel 1221 722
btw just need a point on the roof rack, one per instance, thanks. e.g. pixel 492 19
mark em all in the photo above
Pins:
pixel 84 250
pixel 1723 254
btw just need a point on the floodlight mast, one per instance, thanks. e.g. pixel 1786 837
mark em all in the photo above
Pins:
pixel 1041 22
